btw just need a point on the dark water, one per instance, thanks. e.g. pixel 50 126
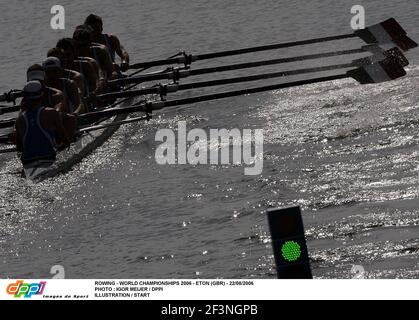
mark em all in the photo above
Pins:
pixel 348 154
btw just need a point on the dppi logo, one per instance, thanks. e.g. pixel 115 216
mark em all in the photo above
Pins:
pixel 27 290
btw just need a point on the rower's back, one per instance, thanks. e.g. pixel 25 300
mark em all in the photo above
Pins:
pixel 85 47
pixel 36 126
pixel 38 141
pixel 110 41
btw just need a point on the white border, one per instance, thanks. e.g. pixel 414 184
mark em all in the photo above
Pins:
pixel 260 290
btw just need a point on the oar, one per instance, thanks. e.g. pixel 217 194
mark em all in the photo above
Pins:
pixel 386 70
pixel 9 109
pixel 176 74
pixel 113 124
pixel 163 89
pixel 8 123
pixel 142 69
pixel 11 96
pixel 384 32
pixel 8 150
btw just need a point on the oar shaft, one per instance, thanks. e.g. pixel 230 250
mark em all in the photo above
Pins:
pixel 226 53
pixel 272 47
pixel 229 94
pixel 112 124
pixel 261 63
pixel 219 82
pixel 155 63
pixel 8 109
pixel 130 93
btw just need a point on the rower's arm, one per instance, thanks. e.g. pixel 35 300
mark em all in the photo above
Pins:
pixel 120 51
pixel 100 81
pixel 106 63
pixel 55 99
pixel 91 76
pixel 94 64
pixel 96 83
pixel 119 48
pixel 58 127
pixel 91 71
pixel 74 96
pixel 79 80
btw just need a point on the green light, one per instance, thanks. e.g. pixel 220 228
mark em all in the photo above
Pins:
pixel 291 251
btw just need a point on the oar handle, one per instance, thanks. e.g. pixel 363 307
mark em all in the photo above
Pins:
pixel 11 96
pixel 185 59
pixel 226 53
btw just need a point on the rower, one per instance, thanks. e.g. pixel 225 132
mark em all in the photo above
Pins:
pixel 52 98
pixel 55 78
pixel 90 30
pixel 76 76
pixel 87 66
pixel 37 127
pixel 111 41
pixel 85 48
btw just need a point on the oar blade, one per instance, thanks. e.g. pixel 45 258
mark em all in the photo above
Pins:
pixel 380 54
pixel 385 32
pixel 398 55
pixel 405 43
pixel 385 70
pixel 398 34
